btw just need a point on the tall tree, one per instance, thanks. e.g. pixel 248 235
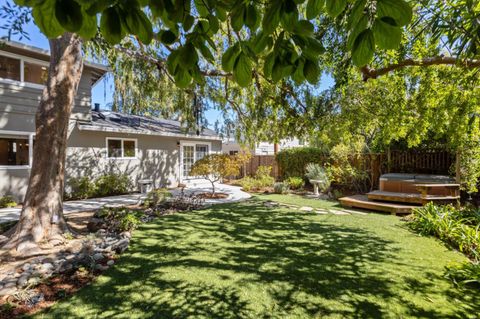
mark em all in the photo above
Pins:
pixel 270 46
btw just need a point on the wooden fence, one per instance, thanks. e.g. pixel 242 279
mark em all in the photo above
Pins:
pixel 376 164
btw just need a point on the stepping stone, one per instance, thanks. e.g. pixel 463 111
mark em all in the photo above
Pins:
pixel 323 212
pixel 306 208
pixel 355 212
pixel 339 212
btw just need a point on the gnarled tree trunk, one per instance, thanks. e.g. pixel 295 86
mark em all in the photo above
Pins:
pixel 42 218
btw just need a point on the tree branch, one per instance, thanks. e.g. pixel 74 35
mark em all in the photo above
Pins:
pixel 369 73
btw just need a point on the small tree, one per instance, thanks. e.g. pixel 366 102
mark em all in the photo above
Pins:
pixel 215 167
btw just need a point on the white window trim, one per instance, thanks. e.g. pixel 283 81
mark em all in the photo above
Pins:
pixel 23 59
pixel 194 144
pixel 28 135
pixel 122 139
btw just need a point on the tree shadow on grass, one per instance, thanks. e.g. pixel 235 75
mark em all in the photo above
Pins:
pixel 246 260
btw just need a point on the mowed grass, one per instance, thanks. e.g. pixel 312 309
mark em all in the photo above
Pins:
pixel 245 260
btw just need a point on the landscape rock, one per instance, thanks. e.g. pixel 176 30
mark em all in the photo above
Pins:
pixel 306 208
pixel 22 281
pixel 95 224
pixel 98 256
pixel 5 291
pixel 111 262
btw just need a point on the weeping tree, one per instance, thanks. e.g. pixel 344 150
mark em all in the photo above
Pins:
pixel 253 56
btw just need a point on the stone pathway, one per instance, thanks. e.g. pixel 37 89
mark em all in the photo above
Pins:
pixel 321 211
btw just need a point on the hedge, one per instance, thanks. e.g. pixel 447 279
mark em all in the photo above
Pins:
pixel 292 161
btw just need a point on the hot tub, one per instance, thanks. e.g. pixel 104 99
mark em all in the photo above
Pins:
pixel 405 183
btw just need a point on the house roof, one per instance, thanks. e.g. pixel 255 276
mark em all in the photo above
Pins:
pixel 142 125
pixel 97 70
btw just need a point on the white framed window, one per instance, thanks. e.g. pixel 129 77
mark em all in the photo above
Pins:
pixel 24 70
pixel 121 148
pixel 190 152
pixel 16 150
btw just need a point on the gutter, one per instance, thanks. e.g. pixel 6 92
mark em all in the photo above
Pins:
pixel 96 128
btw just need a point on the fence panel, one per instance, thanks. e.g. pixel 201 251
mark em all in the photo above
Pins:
pixel 376 164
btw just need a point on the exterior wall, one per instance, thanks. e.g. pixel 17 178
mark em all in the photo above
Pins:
pixel 158 157
pixel 22 99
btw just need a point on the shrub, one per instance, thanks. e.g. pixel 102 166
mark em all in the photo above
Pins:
pixel 448 224
pixel 263 178
pixel 318 173
pixel 280 188
pixel 295 182
pixel 342 172
pixel 81 188
pixel 112 184
pixel 292 162
pixel 467 273
pixel 247 183
pixel 7 201
pixel 120 219
pixel 129 221
pixel 157 197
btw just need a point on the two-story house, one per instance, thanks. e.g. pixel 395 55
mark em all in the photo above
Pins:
pixel 98 142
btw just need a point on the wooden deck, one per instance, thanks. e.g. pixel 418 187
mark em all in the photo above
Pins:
pixel 410 198
pixel 362 201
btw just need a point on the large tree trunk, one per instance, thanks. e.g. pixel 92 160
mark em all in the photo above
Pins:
pixel 41 219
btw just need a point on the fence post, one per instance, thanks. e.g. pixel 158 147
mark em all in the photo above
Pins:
pixel 457 167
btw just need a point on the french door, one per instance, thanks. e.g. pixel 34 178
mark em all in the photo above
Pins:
pixel 191 152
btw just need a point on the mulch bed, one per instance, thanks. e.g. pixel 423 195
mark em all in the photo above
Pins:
pixel 46 294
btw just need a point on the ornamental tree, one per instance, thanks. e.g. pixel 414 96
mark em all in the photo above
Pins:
pixel 216 167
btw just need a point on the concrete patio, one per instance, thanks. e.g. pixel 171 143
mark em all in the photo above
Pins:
pixel 234 194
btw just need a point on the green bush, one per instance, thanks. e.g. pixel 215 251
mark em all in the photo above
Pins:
pixel 247 183
pixel 81 188
pixel 120 219
pixel 292 161
pixel 263 178
pixel 450 225
pixel 7 201
pixel 112 184
pixel 157 197
pixel 295 182
pixel 281 188
pixel 467 273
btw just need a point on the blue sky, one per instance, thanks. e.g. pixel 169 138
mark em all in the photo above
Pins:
pixel 102 93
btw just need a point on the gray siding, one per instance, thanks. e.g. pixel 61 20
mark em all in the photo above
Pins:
pixel 19 99
pixel 158 157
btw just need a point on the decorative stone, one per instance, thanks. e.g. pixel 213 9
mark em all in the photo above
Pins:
pixel 98 256
pixel 126 234
pixel 339 212
pixel 22 281
pixel 47 266
pixel 70 257
pixel 26 267
pixel 101 267
pixel 111 262
pixel 5 291
pixel 306 208
pixel 95 224
pixel 322 212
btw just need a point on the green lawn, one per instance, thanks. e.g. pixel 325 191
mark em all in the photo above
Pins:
pixel 245 260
